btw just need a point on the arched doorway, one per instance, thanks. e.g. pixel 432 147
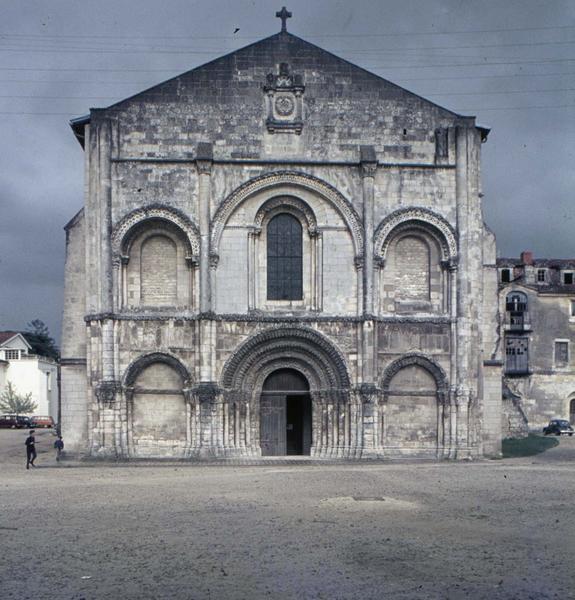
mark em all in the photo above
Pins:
pixel 572 411
pixel 285 414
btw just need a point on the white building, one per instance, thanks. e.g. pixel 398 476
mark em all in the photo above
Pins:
pixel 28 373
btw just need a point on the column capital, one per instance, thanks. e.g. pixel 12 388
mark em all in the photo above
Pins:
pixel 367 161
pixel 106 392
pixel 204 158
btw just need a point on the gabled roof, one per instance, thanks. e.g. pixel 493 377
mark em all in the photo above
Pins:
pixel 8 336
pixel 285 45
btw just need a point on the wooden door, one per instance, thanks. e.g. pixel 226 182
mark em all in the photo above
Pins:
pixel 273 424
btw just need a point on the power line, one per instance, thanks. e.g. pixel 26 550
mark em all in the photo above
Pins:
pixel 151 83
pixel 379 67
pixel 182 50
pixel 327 35
pixel 151 94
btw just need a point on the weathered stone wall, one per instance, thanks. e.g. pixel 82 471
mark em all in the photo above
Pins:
pixel 369 165
pixel 73 383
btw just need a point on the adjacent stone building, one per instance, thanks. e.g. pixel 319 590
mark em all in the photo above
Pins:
pixel 537 308
pixel 280 253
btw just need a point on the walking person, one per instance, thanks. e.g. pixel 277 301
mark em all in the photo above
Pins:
pixel 59 445
pixel 30 449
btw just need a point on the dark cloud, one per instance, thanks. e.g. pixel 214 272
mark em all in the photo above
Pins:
pixel 528 160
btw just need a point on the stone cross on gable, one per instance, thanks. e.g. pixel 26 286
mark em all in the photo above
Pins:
pixel 284 15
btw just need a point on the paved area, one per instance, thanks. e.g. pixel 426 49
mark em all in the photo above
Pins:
pixel 491 529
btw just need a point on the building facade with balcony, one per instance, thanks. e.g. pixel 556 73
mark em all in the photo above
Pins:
pixel 537 312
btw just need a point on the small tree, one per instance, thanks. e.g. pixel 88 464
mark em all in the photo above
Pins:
pixel 39 338
pixel 12 402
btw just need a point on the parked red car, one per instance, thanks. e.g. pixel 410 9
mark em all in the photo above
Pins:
pixel 42 421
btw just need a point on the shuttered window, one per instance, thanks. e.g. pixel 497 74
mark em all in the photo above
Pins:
pixel 516 355
pixel 284 257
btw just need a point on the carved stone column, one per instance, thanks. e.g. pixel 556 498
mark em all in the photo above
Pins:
pixel 204 160
pixel 109 424
pixel 368 165
pixel 208 397
pixel 317 269
pixel 462 435
pixel 129 422
pixel 253 238
pixel 369 394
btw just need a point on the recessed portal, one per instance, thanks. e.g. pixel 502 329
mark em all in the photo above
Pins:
pixel 285 414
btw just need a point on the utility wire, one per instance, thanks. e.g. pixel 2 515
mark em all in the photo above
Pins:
pixel 151 83
pixel 327 35
pixel 183 50
pixel 151 94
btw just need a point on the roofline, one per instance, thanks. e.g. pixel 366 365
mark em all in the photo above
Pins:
pixel 82 121
pixel 78 124
pixel 73 220
pixel 16 334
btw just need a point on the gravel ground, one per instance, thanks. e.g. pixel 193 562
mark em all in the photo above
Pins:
pixel 489 529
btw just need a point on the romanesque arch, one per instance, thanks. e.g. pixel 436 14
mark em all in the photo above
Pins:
pixel 414 395
pixel 334 421
pixel 158 414
pixel 155 251
pixel 416 252
pixel 143 362
pixel 287 347
pixel 422 361
pixel 416 219
pixel 123 233
pixel 287 179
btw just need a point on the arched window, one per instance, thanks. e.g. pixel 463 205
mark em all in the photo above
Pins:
pixel 157 267
pixel 158 271
pixel 516 302
pixel 516 307
pixel 412 269
pixel 284 258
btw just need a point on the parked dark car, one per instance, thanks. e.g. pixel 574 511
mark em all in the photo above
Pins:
pixel 42 421
pixel 14 422
pixel 558 427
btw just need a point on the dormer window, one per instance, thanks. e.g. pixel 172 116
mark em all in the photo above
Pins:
pixel 568 277
pixel 505 275
pixel 541 275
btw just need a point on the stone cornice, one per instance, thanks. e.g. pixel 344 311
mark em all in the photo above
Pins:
pixel 267 318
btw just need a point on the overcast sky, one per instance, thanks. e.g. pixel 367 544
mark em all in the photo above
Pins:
pixel 511 63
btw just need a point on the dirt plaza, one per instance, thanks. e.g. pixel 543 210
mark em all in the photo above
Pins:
pixel 286 529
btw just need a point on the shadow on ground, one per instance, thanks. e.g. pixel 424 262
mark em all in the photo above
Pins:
pixel 533 444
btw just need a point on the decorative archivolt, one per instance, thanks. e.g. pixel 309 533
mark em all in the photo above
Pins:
pixel 286 347
pixel 287 178
pixel 289 204
pixel 147 360
pixel 420 360
pixel 415 218
pixel 121 233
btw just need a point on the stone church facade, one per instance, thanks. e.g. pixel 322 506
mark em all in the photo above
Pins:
pixel 280 253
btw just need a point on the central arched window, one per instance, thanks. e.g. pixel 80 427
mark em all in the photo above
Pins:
pixel 284 258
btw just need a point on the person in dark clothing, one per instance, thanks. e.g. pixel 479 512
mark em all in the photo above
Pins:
pixel 30 449
pixel 59 445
